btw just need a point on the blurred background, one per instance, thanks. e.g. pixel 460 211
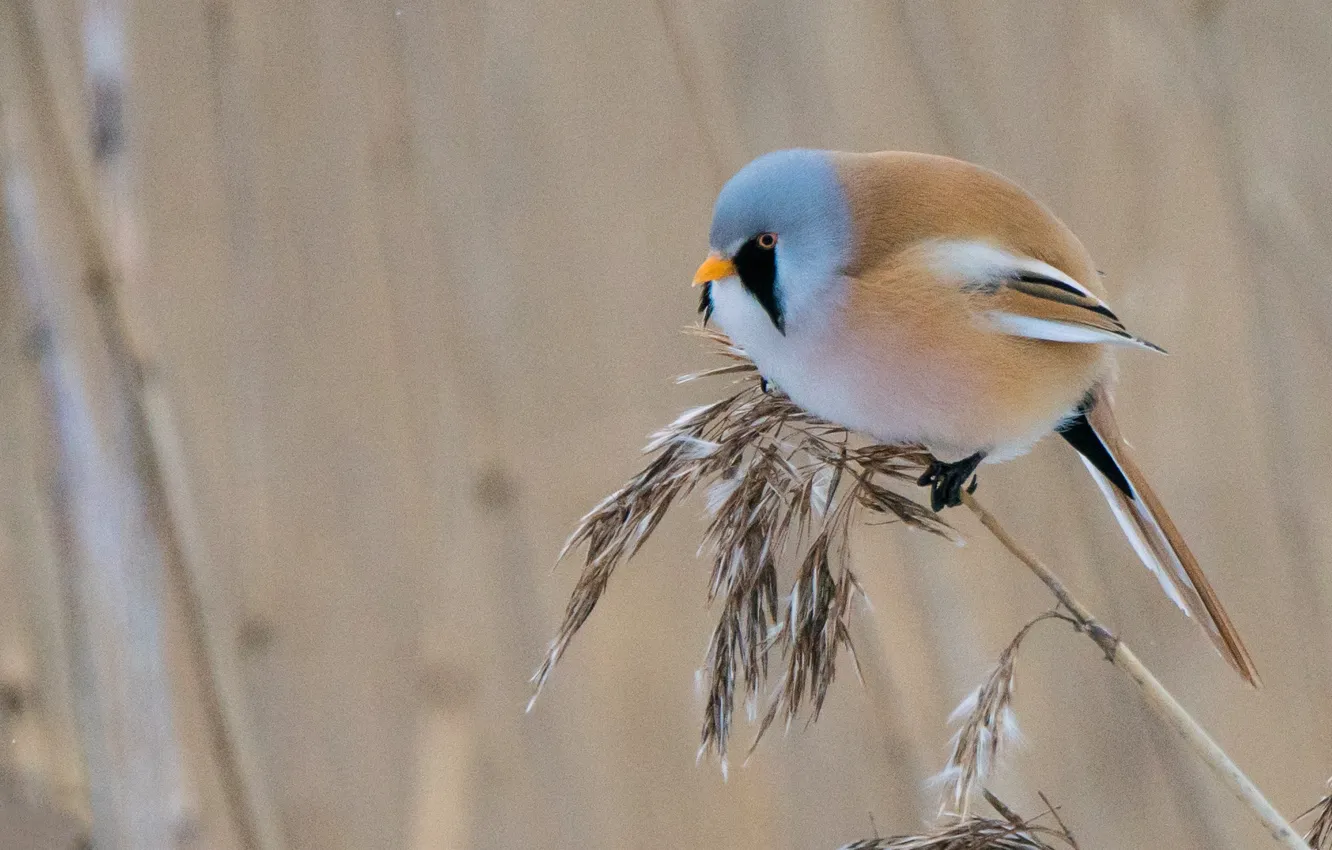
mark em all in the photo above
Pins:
pixel 322 322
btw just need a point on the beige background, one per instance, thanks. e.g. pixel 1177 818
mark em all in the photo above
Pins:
pixel 396 292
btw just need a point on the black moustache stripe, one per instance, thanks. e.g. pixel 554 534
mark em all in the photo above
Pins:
pixel 757 268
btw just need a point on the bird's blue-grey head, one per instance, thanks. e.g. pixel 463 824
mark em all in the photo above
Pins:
pixel 782 224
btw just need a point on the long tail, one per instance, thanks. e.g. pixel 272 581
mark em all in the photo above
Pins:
pixel 1095 435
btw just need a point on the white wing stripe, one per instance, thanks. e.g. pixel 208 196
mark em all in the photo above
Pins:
pixel 1054 330
pixel 982 263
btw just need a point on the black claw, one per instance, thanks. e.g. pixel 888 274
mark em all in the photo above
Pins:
pixel 947 481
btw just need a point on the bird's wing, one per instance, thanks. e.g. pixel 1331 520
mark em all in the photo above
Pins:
pixel 1154 538
pixel 1023 296
pixel 1034 305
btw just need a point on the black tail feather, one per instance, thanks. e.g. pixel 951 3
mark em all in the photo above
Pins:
pixel 1081 436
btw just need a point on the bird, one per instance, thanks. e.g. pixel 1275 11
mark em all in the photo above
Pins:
pixel 918 298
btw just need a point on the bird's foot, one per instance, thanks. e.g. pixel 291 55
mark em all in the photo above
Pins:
pixel 947 480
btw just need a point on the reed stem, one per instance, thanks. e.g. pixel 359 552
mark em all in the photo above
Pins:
pixel 1155 694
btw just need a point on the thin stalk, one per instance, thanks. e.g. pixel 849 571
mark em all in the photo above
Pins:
pixel 1160 700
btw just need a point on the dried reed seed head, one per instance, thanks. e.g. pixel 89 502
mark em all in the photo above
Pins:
pixel 987 726
pixel 972 832
pixel 782 486
pixel 1319 836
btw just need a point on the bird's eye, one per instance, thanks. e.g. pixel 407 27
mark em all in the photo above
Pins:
pixel 766 241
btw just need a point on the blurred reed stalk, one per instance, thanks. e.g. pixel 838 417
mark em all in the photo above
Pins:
pixel 120 501
pixel 782 487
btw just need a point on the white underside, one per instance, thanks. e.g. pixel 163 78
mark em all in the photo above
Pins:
pixel 895 396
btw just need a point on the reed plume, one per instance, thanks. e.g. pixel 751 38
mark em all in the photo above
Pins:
pixel 986 725
pixel 973 832
pixel 782 488
pixel 1319 836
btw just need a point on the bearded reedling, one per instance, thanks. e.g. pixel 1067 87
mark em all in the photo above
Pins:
pixel 921 299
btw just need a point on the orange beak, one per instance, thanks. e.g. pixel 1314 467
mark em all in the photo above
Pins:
pixel 715 267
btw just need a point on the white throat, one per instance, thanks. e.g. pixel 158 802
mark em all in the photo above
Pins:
pixel 806 362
